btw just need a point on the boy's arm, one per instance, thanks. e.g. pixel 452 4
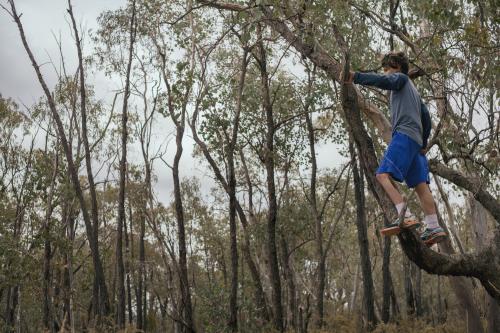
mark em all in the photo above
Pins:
pixel 426 123
pixel 394 81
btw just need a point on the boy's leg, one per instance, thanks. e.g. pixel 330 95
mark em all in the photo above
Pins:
pixel 426 199
pixel 385 180
pixel 418 177
pixel 394 166
pixel 390 188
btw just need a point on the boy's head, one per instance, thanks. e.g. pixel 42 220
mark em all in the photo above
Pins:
pixel 395 62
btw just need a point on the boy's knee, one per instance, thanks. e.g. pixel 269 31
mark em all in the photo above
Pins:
pixel 381 177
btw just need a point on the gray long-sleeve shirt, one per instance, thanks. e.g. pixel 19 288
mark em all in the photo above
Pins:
pixel 406 103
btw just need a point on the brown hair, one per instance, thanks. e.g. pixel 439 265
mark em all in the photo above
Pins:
pixel 395 59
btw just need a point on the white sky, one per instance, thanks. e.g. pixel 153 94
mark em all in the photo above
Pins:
pixel 44 19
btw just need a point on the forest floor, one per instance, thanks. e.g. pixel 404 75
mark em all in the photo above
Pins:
pixel 350 325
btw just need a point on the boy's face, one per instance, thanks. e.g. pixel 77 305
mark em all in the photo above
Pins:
pixel 391 70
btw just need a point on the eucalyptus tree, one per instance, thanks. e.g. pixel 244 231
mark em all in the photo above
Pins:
pixel 427 259
pixel 179 85
pixel 100 298
pixel 212 140
pixel 111 35
pixel 120 320
pixel 16 193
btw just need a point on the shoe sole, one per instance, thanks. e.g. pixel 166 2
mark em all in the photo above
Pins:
pixel 436 238
pixel 392 231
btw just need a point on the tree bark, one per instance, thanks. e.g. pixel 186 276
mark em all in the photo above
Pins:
pixel 128 258
pixel 101 299
pixel 140 278
pixel 290 282
pixel 48 319
pixel 317 218
pixel 233 306
pixel 387 288
pixel 178 117
pixel 409 296
pixel 451 217
pixel 480 228
pixel 120 319
pixel 269 165
pixel 368 293
pixel 260 299
pixel 417 287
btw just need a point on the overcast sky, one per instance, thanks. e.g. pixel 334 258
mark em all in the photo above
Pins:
pixel 43 21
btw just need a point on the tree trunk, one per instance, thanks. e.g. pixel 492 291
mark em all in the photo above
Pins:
pixel 181 234
pixel 102 294
pixel 140 278
pixel 462 288
pixel 178 117
pixel 409 297
pixel 120 320
pixel 368 293
pixel 48 319
pixel 387 287
pixel 417 274
pixel 451 217
pixel 480 229
pixel 260 298
pixel 233 306
pixel 272 209
pixel 290 282
pixel 355 287
pixel 441 313
pixel 69 221
pixel 128 250
pixel 101 299
pixel 318 228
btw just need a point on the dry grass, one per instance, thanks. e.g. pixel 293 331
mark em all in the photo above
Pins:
pixel 342 324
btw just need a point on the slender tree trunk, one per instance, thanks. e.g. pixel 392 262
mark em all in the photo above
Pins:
pixel 48 319
pixel 318 227
pixel 355 287
pixel 394 300
pixel 101 299
pixel 260 299
pixel 178 117
pixel 389 299
pixel 409 297
pixel 368 295
pixel 441 314
pixel 233 306
pixel 290 281
pixel 233 319
pixel 462 287
pixel 480 229
pixel 451 217
pixel 128 259
pixel 120 319
pixel 140 278
pixel 145 140
pixel 387 287
pixel 417 274
pixel 272 209
pixel 493 315
pixel 181 234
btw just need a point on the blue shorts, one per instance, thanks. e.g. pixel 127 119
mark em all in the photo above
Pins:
pixel 403 161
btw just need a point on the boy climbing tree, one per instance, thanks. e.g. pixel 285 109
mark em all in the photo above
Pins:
pixel 404 159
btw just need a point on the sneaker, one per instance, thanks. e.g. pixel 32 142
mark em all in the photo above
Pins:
pixel 433 236
pixel 394 229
